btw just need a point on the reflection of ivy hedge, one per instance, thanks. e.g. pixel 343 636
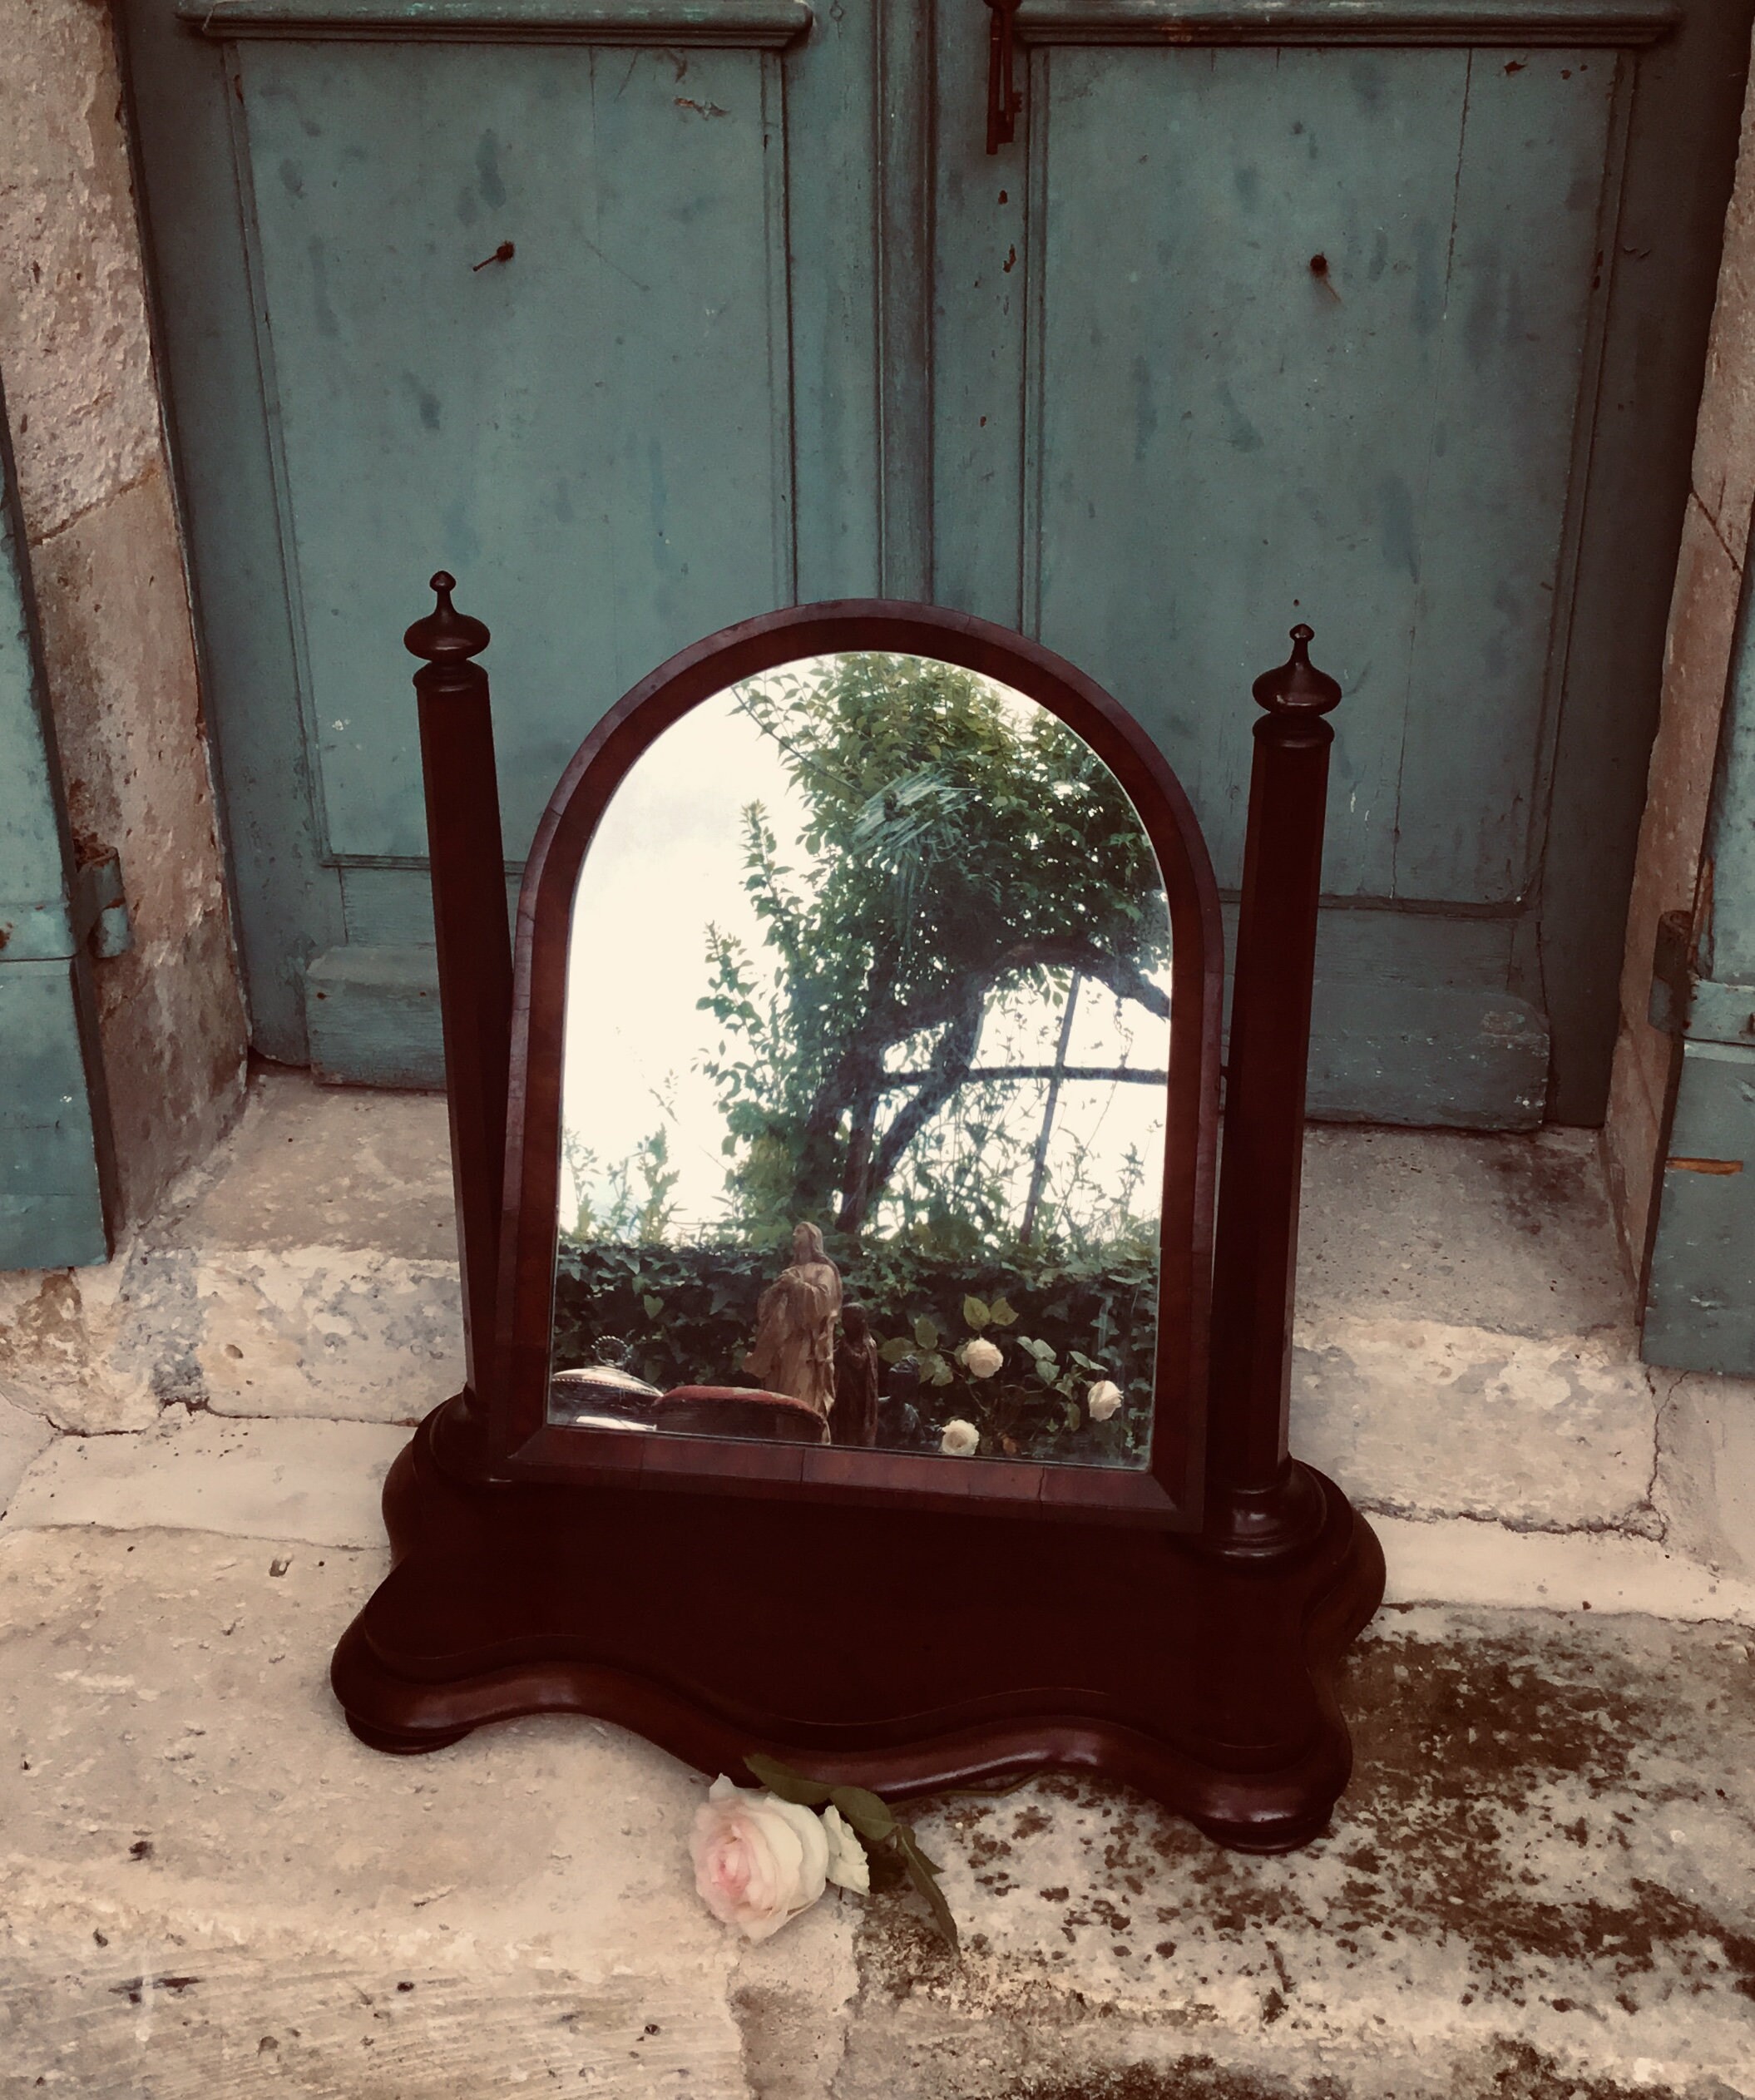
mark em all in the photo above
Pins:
pixel 688 1314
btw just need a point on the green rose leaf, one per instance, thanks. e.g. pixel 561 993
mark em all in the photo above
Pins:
pixel 975 1314
pixel 1001 1314
pixel 789 1785
pixel 866 1813
pixel 923 1874
pixel 926 1333
pixel 894 1351
pixel 654 1306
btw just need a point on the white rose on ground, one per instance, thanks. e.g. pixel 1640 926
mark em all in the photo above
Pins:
pixel 961 1440
pixel 1103 1400
pixel 848 1868
pixel 982 1359
pixel 759 1860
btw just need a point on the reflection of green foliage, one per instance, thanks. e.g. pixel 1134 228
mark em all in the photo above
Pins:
pixel 617 1211
pixel 1035 1405
pixel 690 1313
pixel 955 855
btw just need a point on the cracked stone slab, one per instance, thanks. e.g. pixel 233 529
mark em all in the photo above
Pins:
pixel 67 1336
pixel 335 1332
pixel 1540 1883
pixel 207 1886
pixel 316 1481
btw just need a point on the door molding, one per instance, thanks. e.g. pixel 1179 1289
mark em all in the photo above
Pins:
pixel 1573 24
pixel 742 25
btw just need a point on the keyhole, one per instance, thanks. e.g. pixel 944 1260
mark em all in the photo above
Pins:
pixel 1319 266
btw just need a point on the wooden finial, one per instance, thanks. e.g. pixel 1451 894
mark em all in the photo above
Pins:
pixel 446 635
pixel 1298 687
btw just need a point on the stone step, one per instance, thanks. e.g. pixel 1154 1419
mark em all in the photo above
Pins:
pixel 318 1482
pixel 1464 1357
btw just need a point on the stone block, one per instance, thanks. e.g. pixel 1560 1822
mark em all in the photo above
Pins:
pixel 23 1434
pixel 1706 1475
pixel 318 1482
pixel 121 663
pixel 1724 437
pixel 1445 1420
pixel 327 1332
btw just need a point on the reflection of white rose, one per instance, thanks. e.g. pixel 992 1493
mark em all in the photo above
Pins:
pixel 848 1868
pixel 759 1860
pixel 961 1440
pixel 1103 1400
pixel 982 1359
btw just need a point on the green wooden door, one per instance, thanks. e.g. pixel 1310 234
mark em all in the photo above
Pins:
pixel 1389 315
pixel 1699 1311
pixel 56 1179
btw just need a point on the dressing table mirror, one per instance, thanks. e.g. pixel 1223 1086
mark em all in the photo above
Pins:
pixel 863 1367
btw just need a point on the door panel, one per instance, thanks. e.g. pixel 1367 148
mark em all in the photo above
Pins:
pixel 1228 425
pixel 596 427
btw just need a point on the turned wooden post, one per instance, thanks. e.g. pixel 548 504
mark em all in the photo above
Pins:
pixel 1258 1498
pixel 470 926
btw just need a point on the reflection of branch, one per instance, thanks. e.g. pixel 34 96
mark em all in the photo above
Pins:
pixel 1038 1072
pixel 950 1067
pixel 741 702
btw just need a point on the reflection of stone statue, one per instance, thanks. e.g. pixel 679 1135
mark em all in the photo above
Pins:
pixel 855 1418
pixel 794 1349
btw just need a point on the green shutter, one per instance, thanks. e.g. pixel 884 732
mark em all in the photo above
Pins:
pixel 1700 1292
pixel 54 1163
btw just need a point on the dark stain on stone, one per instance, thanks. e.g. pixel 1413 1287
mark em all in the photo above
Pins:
pixel 1510 2070
pixel 1190 2077
pixel 1537 1184
pixel 1476 1743
pixel 136 1987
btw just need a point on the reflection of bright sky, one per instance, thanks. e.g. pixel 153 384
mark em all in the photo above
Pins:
pixel 668 859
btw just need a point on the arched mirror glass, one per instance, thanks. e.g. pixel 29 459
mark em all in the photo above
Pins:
pixel 862 1118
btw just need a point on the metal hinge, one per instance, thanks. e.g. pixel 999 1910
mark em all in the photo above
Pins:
pixel 101 909
pixel 1682 1002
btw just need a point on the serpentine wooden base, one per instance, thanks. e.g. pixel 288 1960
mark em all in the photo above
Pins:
pixel 904 1651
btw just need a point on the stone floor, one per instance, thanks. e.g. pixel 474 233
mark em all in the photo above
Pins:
pixel 1539 1883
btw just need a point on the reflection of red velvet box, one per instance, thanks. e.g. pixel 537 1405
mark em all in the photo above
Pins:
pixel 740 1411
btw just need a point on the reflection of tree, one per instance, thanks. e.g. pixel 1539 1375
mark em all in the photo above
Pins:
pixel 608 1205
pixel 956 853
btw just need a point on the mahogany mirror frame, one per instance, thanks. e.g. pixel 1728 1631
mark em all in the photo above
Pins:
pixel 522 1444
pixel 530 1573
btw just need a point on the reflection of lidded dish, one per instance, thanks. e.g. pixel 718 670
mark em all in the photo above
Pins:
pixel 603 1392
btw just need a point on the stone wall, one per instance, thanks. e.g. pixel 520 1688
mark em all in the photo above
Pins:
pixel 75 355
pixel 1697 664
